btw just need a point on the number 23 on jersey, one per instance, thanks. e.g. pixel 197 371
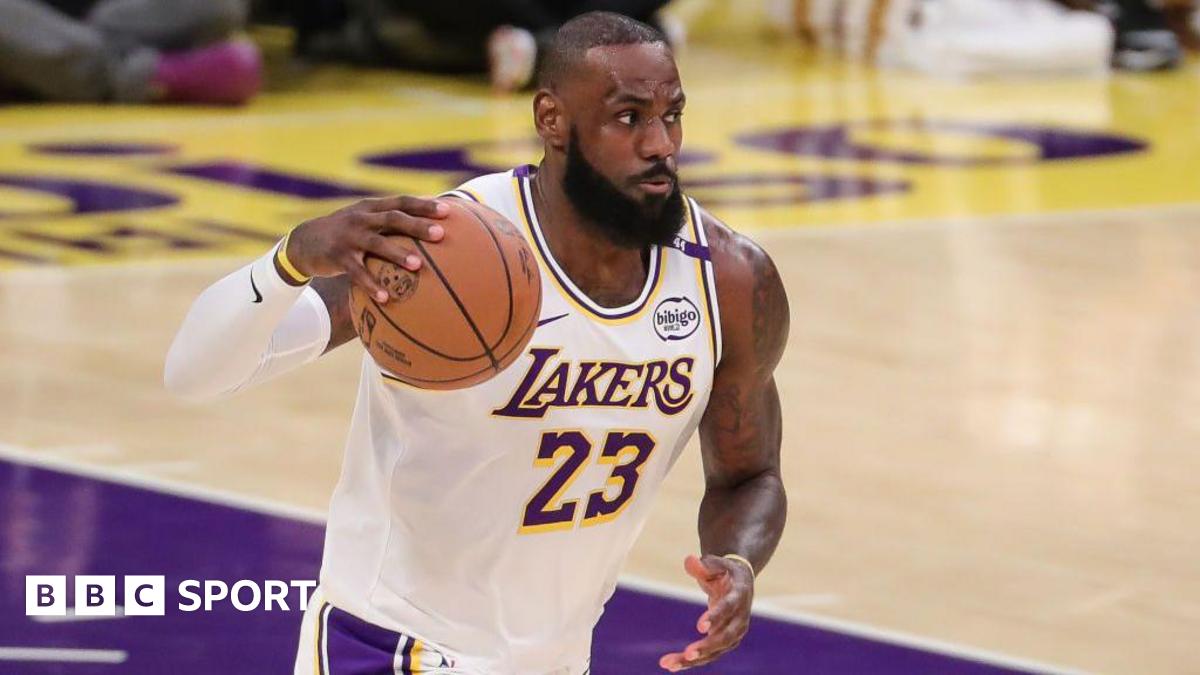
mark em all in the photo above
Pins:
pixel 567 452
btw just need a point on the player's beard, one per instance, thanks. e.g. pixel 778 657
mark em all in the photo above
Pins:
pixel 624 220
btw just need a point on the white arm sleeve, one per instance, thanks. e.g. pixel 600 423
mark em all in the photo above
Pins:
pixel 247 328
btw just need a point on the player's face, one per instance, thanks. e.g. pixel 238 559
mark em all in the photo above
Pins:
pixel 625 135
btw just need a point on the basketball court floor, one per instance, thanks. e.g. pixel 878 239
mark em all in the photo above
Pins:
pixel 990 392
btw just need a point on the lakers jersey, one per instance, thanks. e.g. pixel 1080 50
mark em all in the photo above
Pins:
pixel 490 522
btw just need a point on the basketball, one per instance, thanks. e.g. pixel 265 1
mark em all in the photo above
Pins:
pixel 465 315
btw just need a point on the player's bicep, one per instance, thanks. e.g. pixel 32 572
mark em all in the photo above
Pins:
pixel 335 293
pixel 740 433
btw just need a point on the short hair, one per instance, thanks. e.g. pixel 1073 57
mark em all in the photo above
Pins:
pixel 574 38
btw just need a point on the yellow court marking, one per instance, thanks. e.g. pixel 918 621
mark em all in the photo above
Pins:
pixel 1004 348
pixel 775 139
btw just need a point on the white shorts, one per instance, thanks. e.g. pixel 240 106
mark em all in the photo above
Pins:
pixel 335 642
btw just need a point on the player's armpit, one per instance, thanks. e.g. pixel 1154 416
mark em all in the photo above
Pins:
pixel 335 293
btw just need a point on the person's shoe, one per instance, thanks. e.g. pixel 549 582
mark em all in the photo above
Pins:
pixel 512 55
pixel 1143 50
pixel 226 73
pixel 1144 41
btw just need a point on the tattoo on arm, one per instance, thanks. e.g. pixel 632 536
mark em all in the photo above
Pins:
pixel 745 506
pixel 771 317
pixel 335 291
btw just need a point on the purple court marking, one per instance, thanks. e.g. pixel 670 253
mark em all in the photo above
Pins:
pixel 53 522
pixel 6 254
pixel 1052 143
pixel 88 196
pixel 103 149
pixel 800 188
pixel 459 159
pixel 246 175
pixel 233 229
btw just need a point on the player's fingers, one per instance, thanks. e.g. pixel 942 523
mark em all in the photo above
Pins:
pixel 726 635
pixel 414 206
pixel 720 639
pixel 708 649
pixel 730 625
pixel 721 612
pixel 390 248
pixel 673 662
pixel 360 277
pixel 693 652
pixel 398 222
pixel 700 572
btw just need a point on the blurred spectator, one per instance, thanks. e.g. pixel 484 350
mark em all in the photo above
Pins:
pixel 1144 39
pixel 127 50
pixel 962 38
pixel 1184 19
pixel 998 37
pixel 501 37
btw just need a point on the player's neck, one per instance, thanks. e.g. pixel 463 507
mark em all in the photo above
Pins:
pixel 609 274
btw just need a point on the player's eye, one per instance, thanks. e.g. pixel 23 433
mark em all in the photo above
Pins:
pixel 628 117
pixel 673 116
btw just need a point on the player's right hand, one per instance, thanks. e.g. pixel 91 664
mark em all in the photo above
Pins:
pixel 339 242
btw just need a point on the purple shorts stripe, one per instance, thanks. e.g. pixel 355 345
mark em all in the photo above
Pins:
pixel 406 665
pixel 356 647
pixel 322 615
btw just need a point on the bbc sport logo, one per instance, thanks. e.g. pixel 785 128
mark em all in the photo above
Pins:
pixel 146 595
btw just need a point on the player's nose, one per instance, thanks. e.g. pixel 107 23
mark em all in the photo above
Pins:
pixel 656 143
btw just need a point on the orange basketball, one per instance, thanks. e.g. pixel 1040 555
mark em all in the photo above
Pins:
pixel 465 315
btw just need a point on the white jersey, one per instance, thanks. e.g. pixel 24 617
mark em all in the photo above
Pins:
pixel 491 522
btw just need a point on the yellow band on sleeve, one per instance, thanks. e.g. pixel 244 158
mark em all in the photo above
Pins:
pixel 286 265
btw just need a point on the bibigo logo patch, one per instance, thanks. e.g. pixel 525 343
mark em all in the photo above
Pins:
pixel 676 318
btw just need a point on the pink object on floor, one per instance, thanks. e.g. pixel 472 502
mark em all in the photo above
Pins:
pixel 228 73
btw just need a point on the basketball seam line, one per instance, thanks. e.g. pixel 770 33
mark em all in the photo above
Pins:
pixel 461 308
pixel 507 275
pixel 409 379
pixel 417 342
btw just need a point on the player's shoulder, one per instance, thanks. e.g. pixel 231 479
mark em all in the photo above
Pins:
pixel 754 304
pixel 490 189
pixel 737 259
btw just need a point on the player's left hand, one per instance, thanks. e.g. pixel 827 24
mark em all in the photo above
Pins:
pixel 730 588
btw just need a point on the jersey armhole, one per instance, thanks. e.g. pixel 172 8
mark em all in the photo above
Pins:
pixel 708 280
pixel 462 193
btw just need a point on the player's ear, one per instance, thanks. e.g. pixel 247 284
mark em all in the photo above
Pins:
pixel 548 117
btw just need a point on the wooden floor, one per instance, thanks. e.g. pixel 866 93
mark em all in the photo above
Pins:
pixel 990 393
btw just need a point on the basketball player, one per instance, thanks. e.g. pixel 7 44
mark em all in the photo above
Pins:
pixel 481 530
